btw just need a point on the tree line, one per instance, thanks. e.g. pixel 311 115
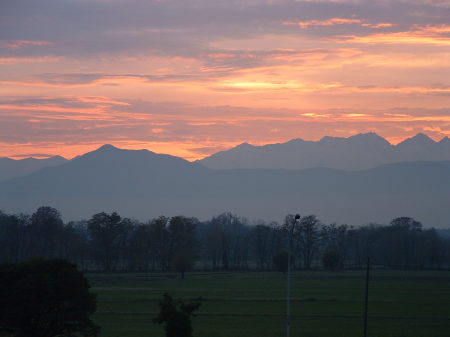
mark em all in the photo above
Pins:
pixel 109 242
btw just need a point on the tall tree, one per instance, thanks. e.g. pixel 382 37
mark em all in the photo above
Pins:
pixel 309 237
pixel 140 247
pixel 261 235
pixel 335 238
pixel 13 237
pixel 399 242
pixel 105 231
pixel 46 227
pixel 182 262
pixel 160 243
pixel 182 236
pixel 227 241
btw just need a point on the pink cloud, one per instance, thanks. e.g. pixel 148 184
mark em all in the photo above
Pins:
pixel 337 21
pixel 17 44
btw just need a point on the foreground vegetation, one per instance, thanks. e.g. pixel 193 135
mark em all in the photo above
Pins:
pixel 246 304
pixel 142 261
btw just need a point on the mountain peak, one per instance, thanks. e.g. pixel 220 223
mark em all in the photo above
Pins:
pixel 295 141
pixel 104 151
pixel 244 145
pixel 107 147
pixel 370 137
pixel 445 140
pixel 329 139
pixel 419 139
pixel 422 136
pixel 57 157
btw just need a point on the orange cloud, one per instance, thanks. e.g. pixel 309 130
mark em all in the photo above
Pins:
pixel 378 25
pixel 99 99
pixel 337 21
pixel 401 89
pixel 316 115
pixel 92 109
pixel 157 130
pixel 434 35
pixel 329 22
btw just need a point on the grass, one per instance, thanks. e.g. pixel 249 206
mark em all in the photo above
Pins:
pixel 253 304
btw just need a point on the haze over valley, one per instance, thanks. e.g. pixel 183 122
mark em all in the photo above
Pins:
pixel 294 176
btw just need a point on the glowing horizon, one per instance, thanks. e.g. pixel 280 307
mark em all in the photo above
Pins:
pixel 191 78
pixel 73 151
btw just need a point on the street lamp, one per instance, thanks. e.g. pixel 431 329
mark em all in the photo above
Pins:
pixel 288 315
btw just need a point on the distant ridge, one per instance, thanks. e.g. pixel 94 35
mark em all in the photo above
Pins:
pixel 143 184
pixel 358 152
pixel 11 168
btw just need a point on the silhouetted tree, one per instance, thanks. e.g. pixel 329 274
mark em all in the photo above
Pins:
pixel 227 241
pixel 261 241
pixel 160 243
pixel 105 231
pixel 75 243
pixel 182 237
pixel 45 229
pixel 140 247
pixel 13 237
pixel 335 238
pixel 280 261
pixel 362 243
pixel 432 249
pixel 45 298
pixel 309 238
pixel 109 242
pixel 397 244
pixel 176 316
pixel 331 260
pixel 182 262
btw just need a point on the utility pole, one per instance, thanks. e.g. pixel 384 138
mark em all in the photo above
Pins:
pixel 366 301
pixel 288 314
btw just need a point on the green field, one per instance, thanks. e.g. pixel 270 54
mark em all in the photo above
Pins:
pixel 253 304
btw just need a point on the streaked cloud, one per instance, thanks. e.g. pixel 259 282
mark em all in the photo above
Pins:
pixel 434 35
pixel 193 77
pixel 337 21
pixel 23 43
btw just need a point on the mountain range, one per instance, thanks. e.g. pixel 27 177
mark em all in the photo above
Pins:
pixel 361 151
pixel 143 184
pixel 358 152
pixel 11 168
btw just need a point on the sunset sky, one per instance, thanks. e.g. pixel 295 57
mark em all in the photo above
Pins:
pixel 192 77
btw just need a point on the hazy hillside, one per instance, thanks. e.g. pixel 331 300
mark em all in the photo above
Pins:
pixel 143 184
pixel 358 152
pixel 10 168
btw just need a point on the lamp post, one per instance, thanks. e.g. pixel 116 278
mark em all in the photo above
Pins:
pixel 288 314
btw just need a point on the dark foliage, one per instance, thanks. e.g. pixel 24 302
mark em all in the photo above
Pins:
pixel 45 298
pixel 109 242
pixel 331 260
pixel 280 261
pixel 182 262
pixel 176 316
